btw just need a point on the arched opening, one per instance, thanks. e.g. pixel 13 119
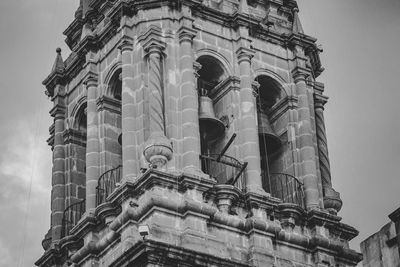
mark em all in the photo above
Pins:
pixel 216 159
pixel 115 85
pixel 210 74
pixel 269 92
pixel 111 137
pixel 81 120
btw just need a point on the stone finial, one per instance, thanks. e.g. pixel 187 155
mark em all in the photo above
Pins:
pixel 158 150
pixel 58 65
pixel 332 201
pixel 297 28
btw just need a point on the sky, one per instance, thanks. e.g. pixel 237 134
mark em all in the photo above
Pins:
pixel 360 39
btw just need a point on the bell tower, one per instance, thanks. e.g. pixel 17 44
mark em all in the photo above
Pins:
pixel 191 133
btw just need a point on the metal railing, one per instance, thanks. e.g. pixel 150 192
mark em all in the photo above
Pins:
pixel 224 169
pixel 107 183
pixel 285 187
pixel 72 214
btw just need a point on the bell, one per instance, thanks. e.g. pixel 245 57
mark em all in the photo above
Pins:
pixel 120 139
pixel 268 138
pixel 210 127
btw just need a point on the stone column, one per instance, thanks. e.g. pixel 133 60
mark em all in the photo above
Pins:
pixel 158 149
pixel 58 170
pixel 190 103
pixel 248 133
pixel 92 143
pixel 308 169
pixel 129 147
pixel 319 102
pixel 332 201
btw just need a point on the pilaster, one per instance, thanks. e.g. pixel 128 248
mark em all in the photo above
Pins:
pixel 189 99
pixel 129 146
pixel 332 201
pixel 58 170
pixel 305 145
pixel 92 143
pixel 158 149
pixel 248 134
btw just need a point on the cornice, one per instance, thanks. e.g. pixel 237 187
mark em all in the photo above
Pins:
pixel 57 77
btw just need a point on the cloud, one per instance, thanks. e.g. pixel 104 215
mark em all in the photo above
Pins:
pixel 25 180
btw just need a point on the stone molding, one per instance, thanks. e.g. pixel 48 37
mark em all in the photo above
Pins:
pixel 156 252
pixel 282 106
pixel 91 79
pixel 153 179
pixel 152 40
pixel 300 74
pixel 245 54
pixel 109 104
pixel 58 112
pixel 186 34
pixel 72 136
pixel 224 87
pixel 125 44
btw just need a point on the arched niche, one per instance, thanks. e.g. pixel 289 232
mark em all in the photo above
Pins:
pixel 80 119
pixel 114 85
pixel 212 129
pixel 110 124
pixel 211 73
pixel 269 93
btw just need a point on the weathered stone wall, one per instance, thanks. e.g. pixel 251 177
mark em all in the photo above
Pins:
pixel 157 53
pixel 376 250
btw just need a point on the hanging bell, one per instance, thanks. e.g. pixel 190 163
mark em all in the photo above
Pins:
pixel 210 127
pixel 267 137
pixel 120 139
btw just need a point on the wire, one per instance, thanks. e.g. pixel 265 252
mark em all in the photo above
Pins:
pixel 28 199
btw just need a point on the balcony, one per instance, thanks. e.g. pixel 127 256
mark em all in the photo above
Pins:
pixel 72 214
pixel 224 169
pixel 284 186
pixel 107 183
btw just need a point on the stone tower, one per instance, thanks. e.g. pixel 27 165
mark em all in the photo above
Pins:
pixel 191 133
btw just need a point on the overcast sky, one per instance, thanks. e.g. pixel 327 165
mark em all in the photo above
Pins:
pixel 360 40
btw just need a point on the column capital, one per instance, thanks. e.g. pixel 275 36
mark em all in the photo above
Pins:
pixel 186 34
pixel 245 54
pixel 125 44
pixel 91 79
pixel 58 111
pixel 300 74
pixel 320 101
pixel 151 40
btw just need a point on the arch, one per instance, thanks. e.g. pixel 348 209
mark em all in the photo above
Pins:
pixel 113 82
pixel 270 91
pixel 114 87
pixel 281 82
pixel 222 60
pixel 81 101
pixel 78 114
pixel 111 70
